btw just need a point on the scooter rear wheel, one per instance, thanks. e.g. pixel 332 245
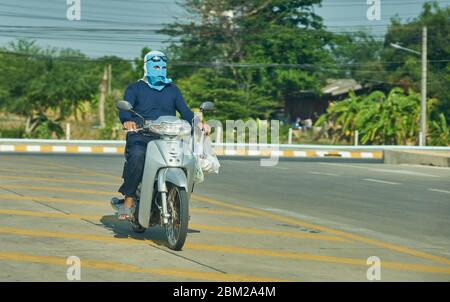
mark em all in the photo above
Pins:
pixel 178 208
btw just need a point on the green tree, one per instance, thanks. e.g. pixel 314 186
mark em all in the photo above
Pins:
pixel 440 131
pixel 358 56
pixel 407 72
pixel 258 34
pixel 45 86
pixel 391 119
pixel 343 115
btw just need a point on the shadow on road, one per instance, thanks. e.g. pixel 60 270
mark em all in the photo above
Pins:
pixel 123 229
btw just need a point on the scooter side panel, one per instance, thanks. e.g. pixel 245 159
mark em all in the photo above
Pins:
pixel 153 162
pixel 179 154
pixel 158 157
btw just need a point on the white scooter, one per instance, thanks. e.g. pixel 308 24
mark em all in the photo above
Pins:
pixel 167 182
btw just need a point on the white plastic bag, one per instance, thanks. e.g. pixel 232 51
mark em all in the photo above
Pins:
pixel 206 158
pixel 198 173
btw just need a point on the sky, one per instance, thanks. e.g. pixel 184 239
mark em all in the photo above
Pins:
pixel 123 28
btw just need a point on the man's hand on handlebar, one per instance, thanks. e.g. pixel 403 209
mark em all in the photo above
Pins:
pixel 130 126
pixel 206 128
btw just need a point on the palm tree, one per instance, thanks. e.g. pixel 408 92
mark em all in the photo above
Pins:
pixel 343 114
pixel 380 119
pixel 440 132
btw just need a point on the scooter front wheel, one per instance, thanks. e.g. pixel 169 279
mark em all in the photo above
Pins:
pixel 178 208
pixel 137 227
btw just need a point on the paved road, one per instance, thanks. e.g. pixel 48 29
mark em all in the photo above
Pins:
pixel 309 220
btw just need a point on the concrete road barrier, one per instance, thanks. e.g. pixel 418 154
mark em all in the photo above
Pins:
pixel 117 147
pixel 438 156
pixel 416 157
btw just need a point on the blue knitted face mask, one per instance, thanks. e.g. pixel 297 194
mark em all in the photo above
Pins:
pixel 156 77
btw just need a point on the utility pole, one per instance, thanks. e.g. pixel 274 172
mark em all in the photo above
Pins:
pixel 423 103
pixel 423 100
pixel 109 78
pixel 102 98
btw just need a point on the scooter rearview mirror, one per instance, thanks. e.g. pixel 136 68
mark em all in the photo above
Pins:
pixel 207 106
pixel 124 105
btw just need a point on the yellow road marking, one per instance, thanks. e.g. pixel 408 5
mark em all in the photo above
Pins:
pixel 46 148
pixel 59 189
pixel 34 172
pixel 299 222
pixel 255 231
pixel 35 163
pixel 52 200
pixel 377 154
pixel 198 226
pixel 230 249
pixel 59 180
pixel 10 166
pixel 71 169
pixel 21 148
pixel 115 266
pixel 97 149
pixel 86 171
pixel 311 153
pixel 320 258
pixel 294 221
pixel 355 154
pixel 288 153
pixel 220 212
pixel 106 204
pixel 47 214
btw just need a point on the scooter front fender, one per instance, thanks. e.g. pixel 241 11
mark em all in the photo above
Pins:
pixel 178 177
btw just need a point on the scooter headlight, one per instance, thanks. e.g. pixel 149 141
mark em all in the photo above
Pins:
pixel 178 128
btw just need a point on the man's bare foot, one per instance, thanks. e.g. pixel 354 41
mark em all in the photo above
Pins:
pixel 128 204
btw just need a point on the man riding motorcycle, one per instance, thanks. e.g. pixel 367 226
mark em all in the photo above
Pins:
pixel 152 96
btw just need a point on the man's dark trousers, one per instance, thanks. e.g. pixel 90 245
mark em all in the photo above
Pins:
pixel 135 151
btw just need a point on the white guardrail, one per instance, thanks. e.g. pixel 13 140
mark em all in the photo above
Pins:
pixel 264 150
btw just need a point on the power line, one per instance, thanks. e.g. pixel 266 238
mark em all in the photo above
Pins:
pixel 48 29
pixel 220 64
pixel 385 3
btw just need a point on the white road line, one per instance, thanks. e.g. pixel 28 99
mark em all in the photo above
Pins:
pixel 33 148
pixel 322 173
pixel 110 150
pixel 299 153
pixel 281 168
pixel 230 152
pixel 59 148
pixel 426 167
pixel 404 172
pixel 366 155
pixel 381 181
pixel 440 191
pixel 321 153
pixel 7 148
pixel 345 154
pixel 254 152
pixel 342 165
pixel 84 149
